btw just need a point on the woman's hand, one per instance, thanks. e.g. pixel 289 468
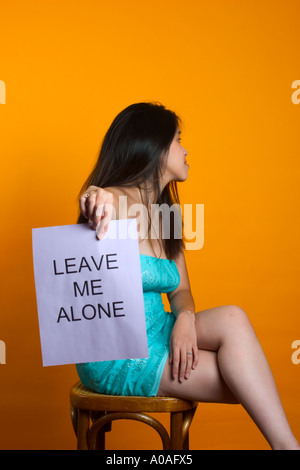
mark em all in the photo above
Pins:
pixel 97 205
pixel 183 342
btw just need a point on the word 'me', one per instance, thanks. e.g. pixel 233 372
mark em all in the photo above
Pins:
pixel 296 354
pixel 296 94
pixel 2 92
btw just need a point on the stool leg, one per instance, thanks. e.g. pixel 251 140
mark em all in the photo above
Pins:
pixel 187 421
pixel 186 442
pixel 100 439
pixel 83 423
pixel 176 430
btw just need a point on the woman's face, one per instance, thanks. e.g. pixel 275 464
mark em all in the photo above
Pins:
pixel 176 167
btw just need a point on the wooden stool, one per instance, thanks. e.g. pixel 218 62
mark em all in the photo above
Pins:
pixel 92 414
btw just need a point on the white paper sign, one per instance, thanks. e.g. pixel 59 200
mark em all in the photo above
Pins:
pixel 89 293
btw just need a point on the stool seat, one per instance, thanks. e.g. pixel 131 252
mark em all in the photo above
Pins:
pixel 92 414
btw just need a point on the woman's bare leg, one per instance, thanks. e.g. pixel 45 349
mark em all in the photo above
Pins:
pixel 233 368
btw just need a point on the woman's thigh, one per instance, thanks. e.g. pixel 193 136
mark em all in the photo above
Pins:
pixel 206 383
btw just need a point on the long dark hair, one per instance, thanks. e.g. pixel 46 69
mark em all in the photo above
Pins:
pixel 133 151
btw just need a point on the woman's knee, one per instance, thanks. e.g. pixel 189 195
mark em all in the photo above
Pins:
pixel 236 314
pixel 214 324
pixel 237 326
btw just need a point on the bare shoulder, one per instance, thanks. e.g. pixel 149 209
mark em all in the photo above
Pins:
pixel 116 191
pixel 122 200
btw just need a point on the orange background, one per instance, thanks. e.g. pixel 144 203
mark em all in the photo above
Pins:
pixel 226 67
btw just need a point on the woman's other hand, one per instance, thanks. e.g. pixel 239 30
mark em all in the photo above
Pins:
pixel 97 205
pixel 184 354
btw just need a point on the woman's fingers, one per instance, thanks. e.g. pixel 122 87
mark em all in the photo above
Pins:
pixel 195 357
pixel 105 218
pixel 87 202
pixel 103 214
pixel 83 205
pixel 90 205
pixel 176 363
pixel 186 364
pixel 96 204
pixel 184 360
pixel 183 366
pixel 189 363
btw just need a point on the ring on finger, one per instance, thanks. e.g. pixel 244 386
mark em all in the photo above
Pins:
pixel 87 195
pixel 189 353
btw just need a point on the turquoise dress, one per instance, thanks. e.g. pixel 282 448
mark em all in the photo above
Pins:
pixel 140 377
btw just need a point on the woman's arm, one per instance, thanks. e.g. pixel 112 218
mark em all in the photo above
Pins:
pixel 183 338
pixel 181 299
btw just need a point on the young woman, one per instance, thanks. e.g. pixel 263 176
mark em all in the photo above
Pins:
pixel 209 356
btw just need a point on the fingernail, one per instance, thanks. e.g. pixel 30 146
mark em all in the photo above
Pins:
pixel 100 233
